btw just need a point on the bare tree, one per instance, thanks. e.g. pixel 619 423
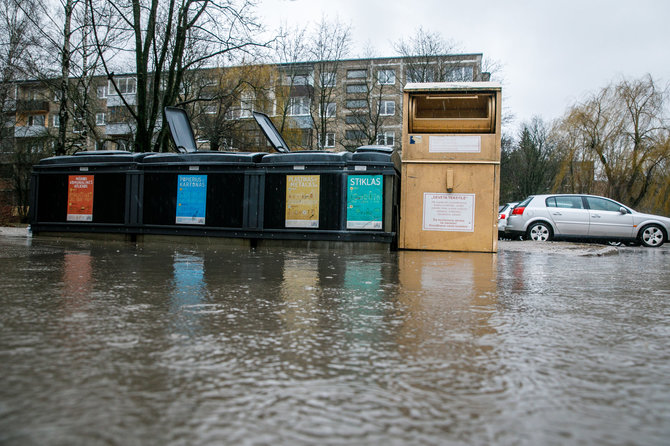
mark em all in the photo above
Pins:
pixel 224 99
pixel 376 107
pixel 66 65
pixel 290 51
pixel 425 51
pixel 16 41
pixel 623 132
pixel 330 45
pixel 165 39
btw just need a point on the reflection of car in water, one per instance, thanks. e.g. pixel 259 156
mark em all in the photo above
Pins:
pixel 503 213
pixel 562 216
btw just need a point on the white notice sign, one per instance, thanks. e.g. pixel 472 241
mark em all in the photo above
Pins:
pixel 455 144
pixel 449 212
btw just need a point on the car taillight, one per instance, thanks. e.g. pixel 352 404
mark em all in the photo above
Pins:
pixel 502 216
pixel 518 211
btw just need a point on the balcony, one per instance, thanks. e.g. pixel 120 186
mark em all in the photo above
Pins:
pixel 29 105
pixel 121 128
pixel 30 131
pixel 114 100
pixel 302 122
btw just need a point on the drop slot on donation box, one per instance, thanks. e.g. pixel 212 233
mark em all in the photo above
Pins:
pixel 450 166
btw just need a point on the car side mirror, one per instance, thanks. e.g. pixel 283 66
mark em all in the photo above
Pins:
pixel 623 210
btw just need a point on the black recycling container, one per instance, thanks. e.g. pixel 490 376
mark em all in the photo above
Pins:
pixel 303 192
pixel 86 192
pixel 372 191
pixel 201 192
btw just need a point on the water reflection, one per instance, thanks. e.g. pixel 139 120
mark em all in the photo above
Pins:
pixel 157 344
pixel 363 302
pixel 447 291
pixel 77 277
pixel 188 292
pixel 299 288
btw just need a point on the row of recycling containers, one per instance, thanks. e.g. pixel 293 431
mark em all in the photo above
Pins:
pixel 296 195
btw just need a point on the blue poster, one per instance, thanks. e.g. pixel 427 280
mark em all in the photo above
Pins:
pixel 365 201
pixel 191 199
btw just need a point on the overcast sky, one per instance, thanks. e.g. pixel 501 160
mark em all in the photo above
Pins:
pixel 553 53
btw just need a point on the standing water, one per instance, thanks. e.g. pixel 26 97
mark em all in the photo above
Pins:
pixel 113 343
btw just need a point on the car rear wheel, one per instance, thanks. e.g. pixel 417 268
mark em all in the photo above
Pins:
pixel 652 236
pixel 539 232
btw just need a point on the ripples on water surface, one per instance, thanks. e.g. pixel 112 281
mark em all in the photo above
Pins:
pixel 106 343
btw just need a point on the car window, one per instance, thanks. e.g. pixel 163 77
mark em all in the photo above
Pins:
pixel 524 202
pixel 602 204
pixel 565 202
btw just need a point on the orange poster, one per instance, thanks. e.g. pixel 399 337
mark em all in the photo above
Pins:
pixel 80 198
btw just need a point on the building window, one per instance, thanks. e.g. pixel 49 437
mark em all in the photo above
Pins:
pixel 386 77
pixel 232 113
pixel 297 79
pixel 357 88
pixel 55 121
pixel 355 119
pixel 328 79
pixel 387 108
pixel 247 104
pixel 463 74
pixel 298 106
pixel 329 109
pixel 102 91
pixel 386 139
pixel 328 140
pixel 358 103
pixel 209 109
pixel 357 74
pixel 36 120
pixel 126 85
pixel 228 143
pixel 100 119
pixel 420 74
pixel 355 134
pixel 33 95
pixel 77 127
pixel 210 82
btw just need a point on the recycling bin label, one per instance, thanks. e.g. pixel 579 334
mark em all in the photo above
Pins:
pixel 302 201
pixel 191 199
pixel 365 201
pixel 80 198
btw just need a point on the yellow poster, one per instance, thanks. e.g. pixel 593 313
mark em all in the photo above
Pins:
pixel 302 201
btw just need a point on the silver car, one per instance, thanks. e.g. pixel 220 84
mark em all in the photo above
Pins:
pixel 561 216
pixel 503 213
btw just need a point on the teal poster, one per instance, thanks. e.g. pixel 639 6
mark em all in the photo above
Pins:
pixel 365 201
pixel 191 199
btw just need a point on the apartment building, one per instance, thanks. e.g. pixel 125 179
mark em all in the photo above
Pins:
pixel 328 105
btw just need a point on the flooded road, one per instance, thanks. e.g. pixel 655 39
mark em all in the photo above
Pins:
pixel 115 343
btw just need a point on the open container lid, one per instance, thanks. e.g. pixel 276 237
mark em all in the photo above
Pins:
pixel 271 132
pixel 180 129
